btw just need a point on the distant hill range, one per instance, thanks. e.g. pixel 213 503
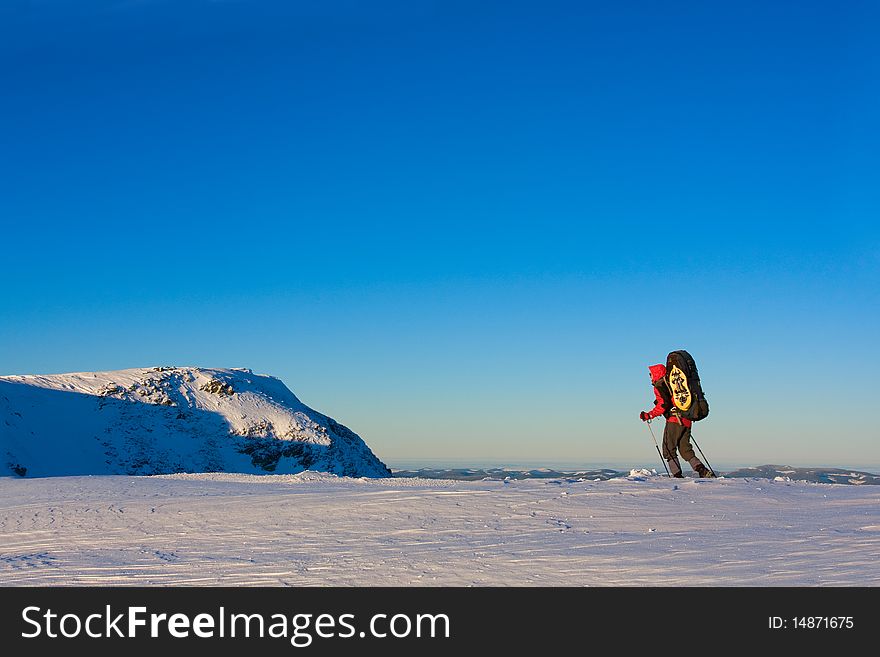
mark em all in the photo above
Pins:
pixel 778 472
pixel 818 475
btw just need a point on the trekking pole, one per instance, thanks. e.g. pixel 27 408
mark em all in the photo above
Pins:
pixel 703 455
pixel 648 422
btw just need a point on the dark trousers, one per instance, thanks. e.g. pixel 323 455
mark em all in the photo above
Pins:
pixel 678 438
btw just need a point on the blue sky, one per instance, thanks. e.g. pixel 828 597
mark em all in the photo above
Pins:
pixel 464 231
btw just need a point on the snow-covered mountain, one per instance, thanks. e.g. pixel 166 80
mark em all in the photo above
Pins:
pixel 169 419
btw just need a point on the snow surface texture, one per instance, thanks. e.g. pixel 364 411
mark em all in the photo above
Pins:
pixel 169 419
pixel 318 529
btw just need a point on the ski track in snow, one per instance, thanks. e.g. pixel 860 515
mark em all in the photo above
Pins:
pixel 319 530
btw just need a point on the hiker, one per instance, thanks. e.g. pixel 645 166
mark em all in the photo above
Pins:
pixel 677 434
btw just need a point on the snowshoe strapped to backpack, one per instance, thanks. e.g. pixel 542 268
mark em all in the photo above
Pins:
pixel 684 384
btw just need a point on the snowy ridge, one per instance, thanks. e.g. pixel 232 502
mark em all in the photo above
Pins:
pixel 825 475
pixel 169 419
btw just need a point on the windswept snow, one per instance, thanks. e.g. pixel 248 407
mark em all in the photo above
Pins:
pixel 169 419
pixel 318 529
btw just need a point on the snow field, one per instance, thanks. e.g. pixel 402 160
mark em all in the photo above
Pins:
pixel 314 529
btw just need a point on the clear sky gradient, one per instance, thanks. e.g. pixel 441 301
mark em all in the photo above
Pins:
pixel 463 229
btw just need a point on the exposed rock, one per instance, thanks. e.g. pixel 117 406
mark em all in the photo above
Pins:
pixel 216 387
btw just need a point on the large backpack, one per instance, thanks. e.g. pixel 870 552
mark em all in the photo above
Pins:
pixel 684 384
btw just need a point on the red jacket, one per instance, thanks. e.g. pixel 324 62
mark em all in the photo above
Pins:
pixel 657 373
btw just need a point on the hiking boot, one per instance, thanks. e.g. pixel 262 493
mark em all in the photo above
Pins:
pixel 705 472
pixel 678 475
